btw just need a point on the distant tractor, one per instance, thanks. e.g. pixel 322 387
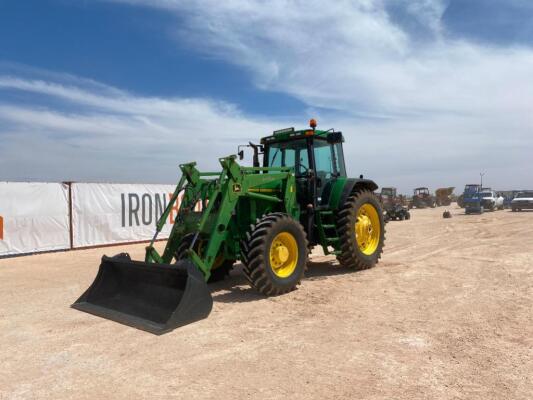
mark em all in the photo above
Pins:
pixel 393 205
pixel 422 199
pixel 444 196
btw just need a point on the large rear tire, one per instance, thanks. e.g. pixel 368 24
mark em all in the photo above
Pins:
pixel 361 230
pixel 275 254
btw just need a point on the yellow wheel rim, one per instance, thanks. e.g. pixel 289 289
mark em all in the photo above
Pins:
pixel 283 254
pixel 367 229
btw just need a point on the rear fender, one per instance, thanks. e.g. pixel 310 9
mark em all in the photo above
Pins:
pixel 347 187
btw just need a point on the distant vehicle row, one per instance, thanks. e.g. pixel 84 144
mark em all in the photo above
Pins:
pixel 477 199
pixel 396 206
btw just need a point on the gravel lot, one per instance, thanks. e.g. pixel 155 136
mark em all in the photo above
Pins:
pixel 446 314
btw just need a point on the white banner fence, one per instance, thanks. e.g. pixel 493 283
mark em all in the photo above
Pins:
pixel 36 217
pixel 117 213
pixel 33 217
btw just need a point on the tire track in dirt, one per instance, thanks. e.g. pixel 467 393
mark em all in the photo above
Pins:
pixel 445 314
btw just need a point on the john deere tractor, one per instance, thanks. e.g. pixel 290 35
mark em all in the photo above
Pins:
pixel 268 217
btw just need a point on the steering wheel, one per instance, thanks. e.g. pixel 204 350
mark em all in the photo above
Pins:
pixel 303 166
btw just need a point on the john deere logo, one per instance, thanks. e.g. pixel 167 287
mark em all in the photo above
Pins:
pixel 1 228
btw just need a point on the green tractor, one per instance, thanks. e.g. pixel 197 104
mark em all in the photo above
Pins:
pixel 268 217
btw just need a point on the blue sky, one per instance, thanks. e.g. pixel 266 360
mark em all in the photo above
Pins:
pixel 126 47
pixel 427 92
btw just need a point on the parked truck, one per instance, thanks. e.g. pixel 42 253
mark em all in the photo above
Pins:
pixel 490 200
pixel 522 201
pixel 469 200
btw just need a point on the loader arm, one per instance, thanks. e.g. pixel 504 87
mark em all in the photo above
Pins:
pixel 222 195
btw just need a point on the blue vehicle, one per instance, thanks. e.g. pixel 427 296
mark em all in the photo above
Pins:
pixel 472 199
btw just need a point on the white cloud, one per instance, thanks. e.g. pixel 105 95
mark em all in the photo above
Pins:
pixel 397 91
pixel 433 111
pixel 348 55
pixel 113 134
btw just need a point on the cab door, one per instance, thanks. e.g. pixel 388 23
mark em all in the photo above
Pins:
pixel 295 154
pixel 329 166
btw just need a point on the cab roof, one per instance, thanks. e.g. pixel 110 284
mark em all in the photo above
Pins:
pixel 287 134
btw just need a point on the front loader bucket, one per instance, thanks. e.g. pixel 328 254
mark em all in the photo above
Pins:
pixel 153 297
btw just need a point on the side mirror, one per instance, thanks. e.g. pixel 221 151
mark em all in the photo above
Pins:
pixel 241 154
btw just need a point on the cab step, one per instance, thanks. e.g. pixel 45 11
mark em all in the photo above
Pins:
pixel 329 226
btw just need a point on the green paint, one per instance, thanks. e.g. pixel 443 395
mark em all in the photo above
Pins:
pixel 336 192
pixel 235 197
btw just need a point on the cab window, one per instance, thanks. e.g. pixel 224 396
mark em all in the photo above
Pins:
pixel 289 154
pixel 339 158
pixel 329 159
pixel 324 159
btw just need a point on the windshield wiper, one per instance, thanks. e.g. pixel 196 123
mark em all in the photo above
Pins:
pixel 274 156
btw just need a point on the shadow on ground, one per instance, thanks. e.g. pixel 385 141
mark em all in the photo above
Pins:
pixel 236 289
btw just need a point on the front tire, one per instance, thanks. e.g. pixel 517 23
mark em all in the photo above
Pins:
pixel 361 230
pixel 221 266
pixel 275 254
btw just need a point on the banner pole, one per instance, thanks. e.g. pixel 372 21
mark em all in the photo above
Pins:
pixel 70 228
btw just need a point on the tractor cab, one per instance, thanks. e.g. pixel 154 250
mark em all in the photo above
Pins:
pixel 472 188
pixel 422 198
pixel 388 196
pixel 388 192
pixel 421 191
pixel 315 155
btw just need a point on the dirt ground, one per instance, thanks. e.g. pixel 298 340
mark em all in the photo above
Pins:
pixel 446 314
